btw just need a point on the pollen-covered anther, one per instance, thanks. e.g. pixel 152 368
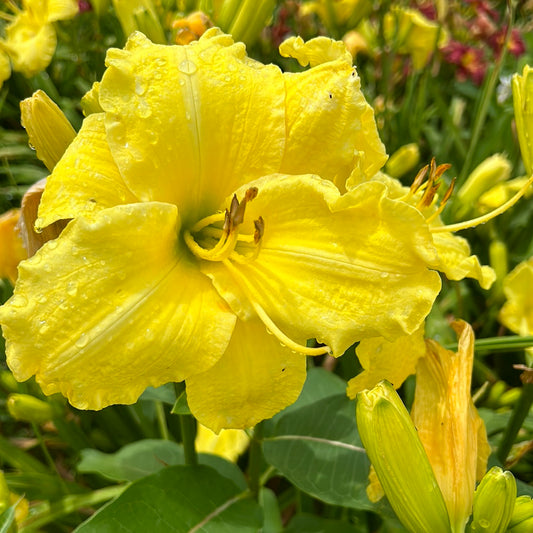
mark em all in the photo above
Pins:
pixel 259 225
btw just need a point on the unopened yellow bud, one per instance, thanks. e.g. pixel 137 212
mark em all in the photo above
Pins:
pixel 403 160
pixel 28 408
pixel 12 250
pixel 522 519
pixel 501 193
pixel 487 174
pixel 139 15
pixel 499 263
pixel 48 129
pixel 191 28
pixel 399 459
pixel 523 113
pixel 494 501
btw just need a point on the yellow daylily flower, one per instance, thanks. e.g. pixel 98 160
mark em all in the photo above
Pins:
pixel 413 34
pixel 229 443
pixel 12 250
pixel 5 67
pixel 200 225
pixel 31 38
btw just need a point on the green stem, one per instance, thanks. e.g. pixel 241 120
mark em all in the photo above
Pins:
pixel 46 512
pixel 255 460
pixel 520 412
pixel 162 420
pixel 188 431
pixel 511 343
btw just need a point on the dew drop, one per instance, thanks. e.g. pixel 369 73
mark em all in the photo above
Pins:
pixel 484 523
pixel 82 341
pixel 19 301
pixel 140 89
pixel 72 288
pixel 41 299
pixel 47 267
pixel 152 136
pixel 149 334
pixel 187 115
pixel 187 67
pixel 143 110
pixel 384 275
pixel 269 332
pixel 44 328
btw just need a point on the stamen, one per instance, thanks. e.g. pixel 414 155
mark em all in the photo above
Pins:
pixel 485 218
pixel 267 321
pixel 442 205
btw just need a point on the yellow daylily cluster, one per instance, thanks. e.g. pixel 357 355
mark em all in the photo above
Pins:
pixel 30 37
pixel 222 213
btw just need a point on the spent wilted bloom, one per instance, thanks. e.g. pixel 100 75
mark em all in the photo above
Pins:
pixel 209 238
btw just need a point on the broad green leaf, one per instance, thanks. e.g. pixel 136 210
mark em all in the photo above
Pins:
pixel 315 524
pixel 145 457
pixel 179 499
pixel 164 394
pixel 316 446
pixel 271 513
pixel 133 461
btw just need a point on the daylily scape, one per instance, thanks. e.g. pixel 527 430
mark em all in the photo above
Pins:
pixel 222 213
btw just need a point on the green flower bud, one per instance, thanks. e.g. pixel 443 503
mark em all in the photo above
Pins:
pixel 399 459
pixel 494 501
pixel 8 382
pixel 522 519
pixel 499 263
pixel 488 173
pixel 523 112
pixel 28 408
pixel 47 127
pixel 139 15
pixel 403 160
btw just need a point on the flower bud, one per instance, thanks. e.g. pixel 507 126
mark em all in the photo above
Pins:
pixel 403 160
pixel 499 263
pixel 522 518
pixel 28 408
pixel 523 112
pixel 8 382
pixel 399 459
pixel 494 501
pixel 48 129
pixel 11 245
pixel 139 15
pixel 491 171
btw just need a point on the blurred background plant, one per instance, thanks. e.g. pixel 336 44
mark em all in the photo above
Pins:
pixel 438 75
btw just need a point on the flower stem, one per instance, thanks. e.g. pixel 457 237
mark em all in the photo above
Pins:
pixel 255 460
pixel 520 412
pixel 188 431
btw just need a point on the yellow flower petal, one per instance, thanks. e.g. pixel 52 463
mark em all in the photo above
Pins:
pixel 11 245
pixel 112 307
pixel 382 359
pixel 229 443
pixel 199 120
pixel 448 424
pixel 254 379
pixel 31 43
pixel 5 67
pixel 457 263
pixel 61 9
pixel 330 127
pixel 86 179
pixel 338 268
pixel 517 312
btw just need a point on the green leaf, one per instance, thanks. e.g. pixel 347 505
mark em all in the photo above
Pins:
pixel 314 524
pixel 181 407
pixel 271 513
pixel 179 499
pixel 133 461
pixel 148 456
pixel 164 394
pixel 315 444
pixel 7 519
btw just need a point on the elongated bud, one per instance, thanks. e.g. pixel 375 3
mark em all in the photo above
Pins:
pixel 139 15
pixel 11 245
pixel 403 160
pixel 48 129
pixel 28 408
pixel 8 382
pixel 487 174
pixel 499 263
pixel 523 113
pixel 399 459
pixel 522 518
pixel 494 501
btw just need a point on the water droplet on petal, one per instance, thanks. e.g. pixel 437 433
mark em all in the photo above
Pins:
pixel 187 67
pixel 19 301
pixel 140 89
pixel 82 341
pixel 143 110
pixel 72 288
pixel 44 328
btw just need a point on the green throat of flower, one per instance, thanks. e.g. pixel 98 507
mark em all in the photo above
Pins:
pixel 217 238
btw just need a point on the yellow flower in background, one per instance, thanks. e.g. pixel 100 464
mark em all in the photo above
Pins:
pixel 517 312
pixel 30 37
pixel 522 86
pixel 229 443
pixel 203 237
pixel 12 250
pixel 336 13
pixel 5 67
pixel 412 33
